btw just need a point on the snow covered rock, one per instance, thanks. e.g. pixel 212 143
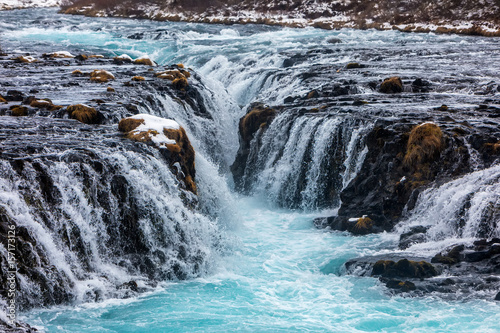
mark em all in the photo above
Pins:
pixel 170 137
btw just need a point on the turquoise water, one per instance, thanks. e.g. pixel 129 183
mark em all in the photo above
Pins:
pixel 280 274
pixel 281 277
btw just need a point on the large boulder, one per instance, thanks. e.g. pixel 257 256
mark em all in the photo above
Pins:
pixel 172 140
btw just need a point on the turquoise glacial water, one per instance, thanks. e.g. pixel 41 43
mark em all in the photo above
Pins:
pixel 281 274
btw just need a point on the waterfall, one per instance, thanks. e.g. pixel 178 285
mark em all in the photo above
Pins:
pixel 465 208
pixel 95 211
pixel 304 161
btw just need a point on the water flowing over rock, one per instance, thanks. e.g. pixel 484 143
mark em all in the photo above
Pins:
pixel 97 215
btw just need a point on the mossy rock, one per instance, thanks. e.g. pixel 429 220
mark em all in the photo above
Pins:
pixel 363 226
pixel 101 76
pixel 144 61
pixel 425 144
pixel 392 85
pixel 19 111
pixel 312 94
pixel 110 89
pixel 180 83
pixel 138 78
pixel 2 100
pixel 404 268
pixel 83 113
pixel 181 151
pixel 353 65
pixel 44 104
pixel 77 73
pixel 254 119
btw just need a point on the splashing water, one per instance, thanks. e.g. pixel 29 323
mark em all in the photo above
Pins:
pixel 279 274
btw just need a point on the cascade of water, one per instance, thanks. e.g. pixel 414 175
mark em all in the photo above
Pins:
pixel 466 208
pixel 305 161
pixel 95 218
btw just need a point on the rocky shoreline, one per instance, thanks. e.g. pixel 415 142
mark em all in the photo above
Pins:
pixel 449 17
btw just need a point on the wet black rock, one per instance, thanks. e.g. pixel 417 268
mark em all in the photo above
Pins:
pixel 414 236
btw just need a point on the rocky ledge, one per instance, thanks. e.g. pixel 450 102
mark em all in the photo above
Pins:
pixel 79 116
pixel 463 17
pixel 453 272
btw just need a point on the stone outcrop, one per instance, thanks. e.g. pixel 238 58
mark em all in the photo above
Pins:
pixel 179 153
pixel 258 117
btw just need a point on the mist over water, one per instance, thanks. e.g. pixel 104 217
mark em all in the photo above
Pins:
pixel 276 272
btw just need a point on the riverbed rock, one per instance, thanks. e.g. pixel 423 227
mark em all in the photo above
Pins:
pixel 392 85
pixel 84 113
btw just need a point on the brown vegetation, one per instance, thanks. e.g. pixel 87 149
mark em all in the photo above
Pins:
pixel 138 78
pixel 363 226
pixel 129 124
pixel 181 151
pixel 144 61
pixel 424 145
pixel 101 76
pixel 254 120
pixel 19 111
pixel 83 113
pixel 392 85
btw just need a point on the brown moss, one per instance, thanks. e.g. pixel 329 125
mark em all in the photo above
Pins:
pixel 173 74
pixel 186 74
pixel 253 120
pixel 144 136
pixel 44 104
pixel 181 152
pixel 82 57
pixel 96 56
pixel 82 113
pixel 492 148
pixel 129 124
pixel 443 107
pixel 22 59
pixel 352 65
pixel 77 72
pixel 180 65
pixel 363 226
pixel 101 76
pixel 392 85
pixel 138 78
pixel 110 89
pixel 2 100
pixel 312 94
pixel 424 145
pixel 144 61
pixel 180 83
pixel 19 111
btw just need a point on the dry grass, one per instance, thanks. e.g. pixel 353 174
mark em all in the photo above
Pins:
pixel 83 113
pixel 424 145
pixel 45 104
